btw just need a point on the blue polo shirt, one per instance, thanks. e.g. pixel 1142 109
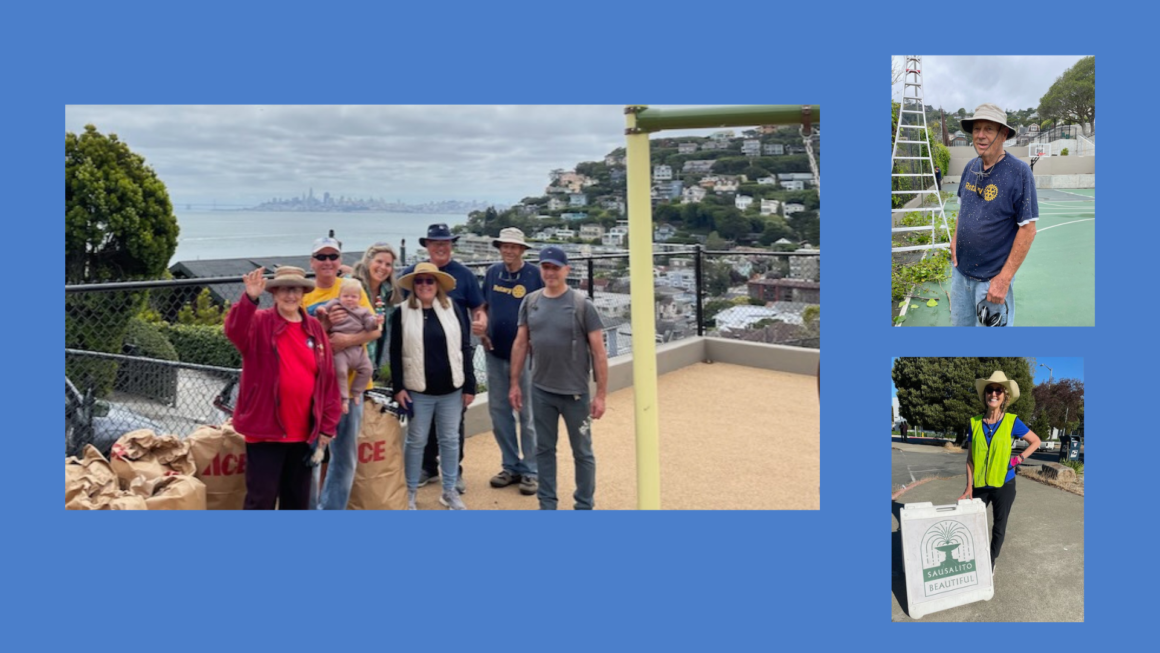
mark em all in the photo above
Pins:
pixel 1018 430
pixel 503 292
pixel 993 205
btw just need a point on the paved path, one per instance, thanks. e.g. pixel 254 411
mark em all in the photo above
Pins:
pixel 1039 574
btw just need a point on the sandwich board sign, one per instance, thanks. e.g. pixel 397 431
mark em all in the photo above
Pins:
pixel 946 551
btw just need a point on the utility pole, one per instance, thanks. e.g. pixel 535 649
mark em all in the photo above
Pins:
pixel 1050 376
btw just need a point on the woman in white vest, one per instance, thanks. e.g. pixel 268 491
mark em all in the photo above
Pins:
pixel 431 373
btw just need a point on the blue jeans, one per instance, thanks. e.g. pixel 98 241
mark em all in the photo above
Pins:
pixel 503 422
pixel 966 293
pixel 548 408
pixel 343 458
pixel 447 410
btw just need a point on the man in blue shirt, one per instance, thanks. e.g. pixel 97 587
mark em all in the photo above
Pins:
pixel 467 294
pixel 998 210
pixel 504 287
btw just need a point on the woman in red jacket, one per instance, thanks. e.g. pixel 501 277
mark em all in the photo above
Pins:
pixel 288 400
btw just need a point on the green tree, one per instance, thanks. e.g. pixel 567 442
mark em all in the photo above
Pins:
pixel 718 278
pixel 119 222
pixel 1073 95
pixel 732 225
pixel 715 241
pixel 119 226
pixel 203 311
pixel 807 226
pixel 939 393
pixel 1059 405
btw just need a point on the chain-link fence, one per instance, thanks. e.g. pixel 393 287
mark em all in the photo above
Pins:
pixel 154 355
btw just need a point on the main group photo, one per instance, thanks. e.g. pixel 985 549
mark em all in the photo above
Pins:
pixel 449 346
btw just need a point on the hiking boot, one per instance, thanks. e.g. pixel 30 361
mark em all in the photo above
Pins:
pixel 411 500
pixel 452 501
pixel 425 478
pixel 504 479
pixel 529 485
pixel 460 486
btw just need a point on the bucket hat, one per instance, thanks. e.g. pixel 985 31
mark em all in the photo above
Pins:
pixel 511 235
pixel 990 112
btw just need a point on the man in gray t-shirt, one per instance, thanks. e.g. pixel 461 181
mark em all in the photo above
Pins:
pixel 566 340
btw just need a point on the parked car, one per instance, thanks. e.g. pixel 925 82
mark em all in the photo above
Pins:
pixel 88 420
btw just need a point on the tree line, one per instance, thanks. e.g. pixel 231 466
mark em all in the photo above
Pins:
pixel 939 394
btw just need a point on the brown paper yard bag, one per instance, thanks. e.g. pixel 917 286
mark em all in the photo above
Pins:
pixel 170 492
pixel 91 484
pixel 145 454
pixel 379 482
pixel 220 457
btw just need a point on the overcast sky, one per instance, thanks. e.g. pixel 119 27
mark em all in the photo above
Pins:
pixel 1011 82
pixel 249 154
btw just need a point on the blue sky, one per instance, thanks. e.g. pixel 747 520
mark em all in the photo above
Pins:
pixel 1063 368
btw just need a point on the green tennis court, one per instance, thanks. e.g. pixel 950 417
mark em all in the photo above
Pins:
pixel 1056 285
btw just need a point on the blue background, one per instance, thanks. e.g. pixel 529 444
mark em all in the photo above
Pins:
pixel 680 581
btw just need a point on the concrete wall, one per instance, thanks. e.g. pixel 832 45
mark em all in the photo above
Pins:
pixel 682 353
pixel 1048 165
pixel 1051 181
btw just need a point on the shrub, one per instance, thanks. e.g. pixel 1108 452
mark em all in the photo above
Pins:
pixel 146 339
pixel 1064 152
pixel 202 345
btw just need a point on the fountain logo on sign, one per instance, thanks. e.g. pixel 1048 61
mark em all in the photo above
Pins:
pixel 948 558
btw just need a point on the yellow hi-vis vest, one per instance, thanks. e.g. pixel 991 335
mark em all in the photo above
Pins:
pixel 991 462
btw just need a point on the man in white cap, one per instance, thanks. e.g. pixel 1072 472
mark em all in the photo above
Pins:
pixel 325 258
pixel 504 287
pixel 996 224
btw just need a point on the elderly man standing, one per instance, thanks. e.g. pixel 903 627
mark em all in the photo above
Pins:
pixel 325 258
pixel 504 287
pixel 469 297
pixel 998 210
pixel 563 329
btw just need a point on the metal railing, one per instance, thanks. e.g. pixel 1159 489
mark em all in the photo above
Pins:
pixel 152 354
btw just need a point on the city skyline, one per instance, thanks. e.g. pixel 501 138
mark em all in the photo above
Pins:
pixel 241 156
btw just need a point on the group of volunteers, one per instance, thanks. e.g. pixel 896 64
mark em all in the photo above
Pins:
pixel 307 361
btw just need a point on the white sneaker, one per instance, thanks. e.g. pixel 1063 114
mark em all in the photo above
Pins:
pixel 411 500
pixel 452 500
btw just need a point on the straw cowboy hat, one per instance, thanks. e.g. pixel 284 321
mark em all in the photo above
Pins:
pixel 998 378
pixel 511 235
pixel 288 276
pixel 990 112
pixel 446 281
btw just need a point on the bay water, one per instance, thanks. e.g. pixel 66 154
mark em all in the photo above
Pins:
pixel 242 234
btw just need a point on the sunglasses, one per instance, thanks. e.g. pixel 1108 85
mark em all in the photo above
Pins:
pixel 994 390
pixel 326 257
pixel 424 281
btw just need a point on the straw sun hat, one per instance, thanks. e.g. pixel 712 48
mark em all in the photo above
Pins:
pixel 288 276
pixel 446 281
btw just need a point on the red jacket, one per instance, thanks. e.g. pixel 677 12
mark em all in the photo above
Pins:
pixel 254 333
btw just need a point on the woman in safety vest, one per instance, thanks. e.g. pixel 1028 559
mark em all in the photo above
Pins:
pixel 990 462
